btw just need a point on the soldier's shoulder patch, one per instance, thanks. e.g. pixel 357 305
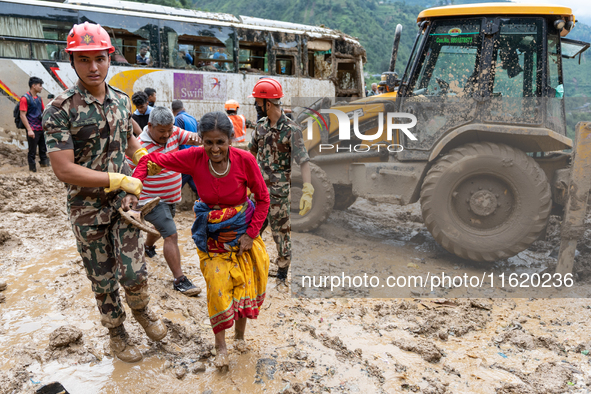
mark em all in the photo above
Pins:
pixel 293 124
pixel 62 97
pixel 119 91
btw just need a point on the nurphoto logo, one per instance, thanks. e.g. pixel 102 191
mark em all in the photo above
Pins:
pixel 393 122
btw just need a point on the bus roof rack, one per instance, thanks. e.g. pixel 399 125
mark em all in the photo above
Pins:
pixel 160 9
pixel 249 20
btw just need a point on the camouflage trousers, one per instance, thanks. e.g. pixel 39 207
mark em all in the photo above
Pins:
pixel 113 254
pixel 278 217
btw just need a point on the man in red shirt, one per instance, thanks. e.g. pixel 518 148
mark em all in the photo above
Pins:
pixel 162 136
pixel 31 108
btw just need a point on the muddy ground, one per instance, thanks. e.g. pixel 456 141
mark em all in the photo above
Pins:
pixel 50 331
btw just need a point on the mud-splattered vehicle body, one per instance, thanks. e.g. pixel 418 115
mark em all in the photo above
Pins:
pixel 485 158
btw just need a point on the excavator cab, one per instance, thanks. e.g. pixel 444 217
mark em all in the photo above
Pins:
pixel 489 66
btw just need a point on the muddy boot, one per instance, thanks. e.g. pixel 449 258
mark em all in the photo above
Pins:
pixel 281 280
pixel 44 163
pixel 121 347
pixel 3 285
pixel 155 329
pixel 32 167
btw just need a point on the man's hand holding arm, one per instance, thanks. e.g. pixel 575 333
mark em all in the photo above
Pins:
pixel 136 152
pixel 194 140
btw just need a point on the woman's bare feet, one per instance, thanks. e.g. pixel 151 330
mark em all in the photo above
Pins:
pixel 221 360
pixel 221 351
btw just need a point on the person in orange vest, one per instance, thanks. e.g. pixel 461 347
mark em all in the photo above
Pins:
pixel 239 121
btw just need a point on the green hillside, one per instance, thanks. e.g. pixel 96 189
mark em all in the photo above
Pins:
pixel 373 22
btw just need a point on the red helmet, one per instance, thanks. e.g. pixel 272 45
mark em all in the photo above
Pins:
pixel 231 105
pixel 267 88
pixel 88 37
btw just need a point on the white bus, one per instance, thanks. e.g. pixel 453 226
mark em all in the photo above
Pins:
pixel 199 57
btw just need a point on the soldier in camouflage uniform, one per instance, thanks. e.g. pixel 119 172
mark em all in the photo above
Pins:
pixel 272 142
pixel 88 132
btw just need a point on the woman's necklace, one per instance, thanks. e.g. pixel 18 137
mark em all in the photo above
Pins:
pixel 217 173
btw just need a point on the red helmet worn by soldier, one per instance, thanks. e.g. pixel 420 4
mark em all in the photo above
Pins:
pixel 267 88
pixel 88 37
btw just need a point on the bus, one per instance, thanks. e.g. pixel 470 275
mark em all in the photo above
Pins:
pixel 201 58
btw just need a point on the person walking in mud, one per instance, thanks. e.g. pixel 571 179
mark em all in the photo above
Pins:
pixel 232 254
pixel 271 144
pixel 88 133
pixel 161 135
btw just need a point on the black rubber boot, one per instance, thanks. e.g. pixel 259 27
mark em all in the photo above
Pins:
pixel 32 167
pixel 282 273
pixel 44 163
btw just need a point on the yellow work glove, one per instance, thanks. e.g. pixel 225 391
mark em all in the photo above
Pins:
pixel 153 168
pixel 138 155
pixel 126 183
pixel 306 200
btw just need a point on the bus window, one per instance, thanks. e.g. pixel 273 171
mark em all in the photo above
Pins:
pixel 253 57
pixel 195 46
pixel 47 32
pixel 135 39
pixel 346 75
pixel 319 58
pixel 285 65
pixel 322 64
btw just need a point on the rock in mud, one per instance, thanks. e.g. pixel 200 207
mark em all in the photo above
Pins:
pixel 180 372
pixel 427 350
pixel 198 367
pixel 481 304
pixel 63 336
pixel 520 339
pixel 433 386
pixel 512 388
pixel 550 378
pixel 299 355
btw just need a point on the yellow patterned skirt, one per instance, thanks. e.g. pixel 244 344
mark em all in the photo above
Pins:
pixel 236 286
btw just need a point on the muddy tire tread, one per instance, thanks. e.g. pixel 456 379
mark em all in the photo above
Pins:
pixel 519 159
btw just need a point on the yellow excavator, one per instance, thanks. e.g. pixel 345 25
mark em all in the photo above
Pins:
pixel 487 155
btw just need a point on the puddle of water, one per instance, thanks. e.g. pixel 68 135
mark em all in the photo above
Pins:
pixel 78 378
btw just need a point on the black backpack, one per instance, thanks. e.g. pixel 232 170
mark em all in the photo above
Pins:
pixel 17 114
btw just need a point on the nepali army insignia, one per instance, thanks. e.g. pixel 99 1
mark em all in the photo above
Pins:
pixel 87 39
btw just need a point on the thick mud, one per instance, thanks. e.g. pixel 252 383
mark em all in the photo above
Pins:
pixel 50 330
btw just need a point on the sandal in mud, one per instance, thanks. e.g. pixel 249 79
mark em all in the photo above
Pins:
pixel 136 218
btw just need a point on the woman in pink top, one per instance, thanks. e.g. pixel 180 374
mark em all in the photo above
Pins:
pixel 233 258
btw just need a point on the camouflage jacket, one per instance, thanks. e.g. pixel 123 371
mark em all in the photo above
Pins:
pixel 275 147
pixel 97 133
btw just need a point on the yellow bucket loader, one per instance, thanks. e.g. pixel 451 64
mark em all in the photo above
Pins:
pixel 485 155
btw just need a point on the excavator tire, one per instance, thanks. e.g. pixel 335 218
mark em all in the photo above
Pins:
pixel 485 201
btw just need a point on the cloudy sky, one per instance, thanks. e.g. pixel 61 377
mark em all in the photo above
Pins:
pixel 581 8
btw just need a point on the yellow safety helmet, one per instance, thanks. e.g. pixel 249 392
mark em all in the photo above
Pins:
pixel 231 105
